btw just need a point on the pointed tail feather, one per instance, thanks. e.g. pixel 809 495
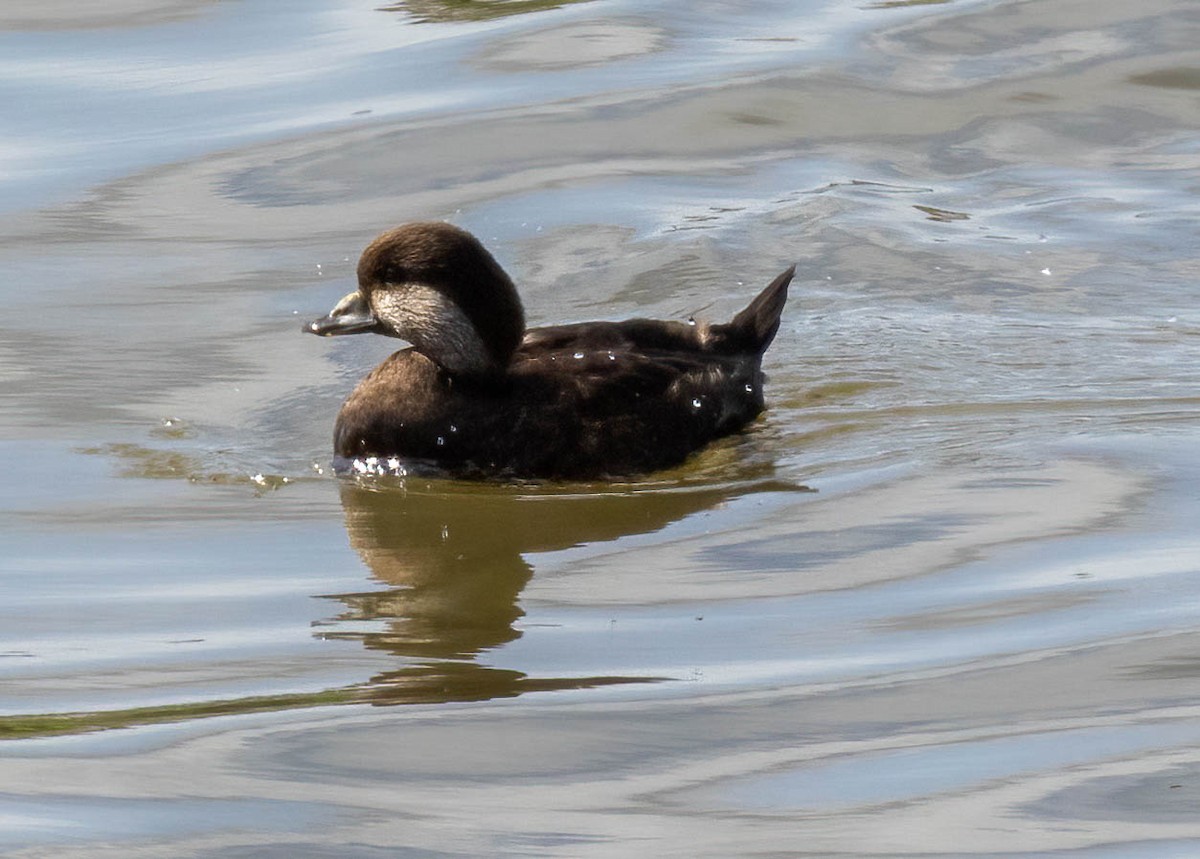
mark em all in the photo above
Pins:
pixel 754 328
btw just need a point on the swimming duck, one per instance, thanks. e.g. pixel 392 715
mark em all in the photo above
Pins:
pixel 478 395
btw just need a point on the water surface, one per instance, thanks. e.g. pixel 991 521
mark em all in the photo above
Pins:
pixel 940 600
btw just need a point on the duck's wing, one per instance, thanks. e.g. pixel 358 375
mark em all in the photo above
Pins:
pixel 605 374
pixel 684 396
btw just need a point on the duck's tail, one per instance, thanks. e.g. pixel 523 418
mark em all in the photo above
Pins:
pixel 752 330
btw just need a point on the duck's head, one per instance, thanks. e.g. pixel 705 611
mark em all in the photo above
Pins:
pixel 435 286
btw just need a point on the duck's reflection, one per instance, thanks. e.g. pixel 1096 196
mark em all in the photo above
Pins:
pixel 453 560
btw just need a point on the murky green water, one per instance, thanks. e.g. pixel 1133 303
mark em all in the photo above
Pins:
pixel 941 600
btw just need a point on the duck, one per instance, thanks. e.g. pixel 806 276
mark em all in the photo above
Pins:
pixel 478 395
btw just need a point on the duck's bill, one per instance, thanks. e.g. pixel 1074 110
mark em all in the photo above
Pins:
pixel 351 315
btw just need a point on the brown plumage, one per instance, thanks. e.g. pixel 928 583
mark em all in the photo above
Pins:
pixel 478 395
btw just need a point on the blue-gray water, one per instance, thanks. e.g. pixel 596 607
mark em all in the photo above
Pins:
pixel 944 599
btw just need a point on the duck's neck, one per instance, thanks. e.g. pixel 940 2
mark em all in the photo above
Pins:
pixel 440 330
pixel 460 352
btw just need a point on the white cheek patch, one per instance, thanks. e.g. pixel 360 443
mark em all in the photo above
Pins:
pixel 434 324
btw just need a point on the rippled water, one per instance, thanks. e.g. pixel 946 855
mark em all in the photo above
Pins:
pixel 941 600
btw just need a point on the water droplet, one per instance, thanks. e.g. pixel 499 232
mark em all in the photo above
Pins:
pixel 578 355
pixel 696 402
pixel 440 441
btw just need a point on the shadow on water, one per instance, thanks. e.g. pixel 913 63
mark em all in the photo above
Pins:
pixel 896 4
pixel 453 560
pixel 428 11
